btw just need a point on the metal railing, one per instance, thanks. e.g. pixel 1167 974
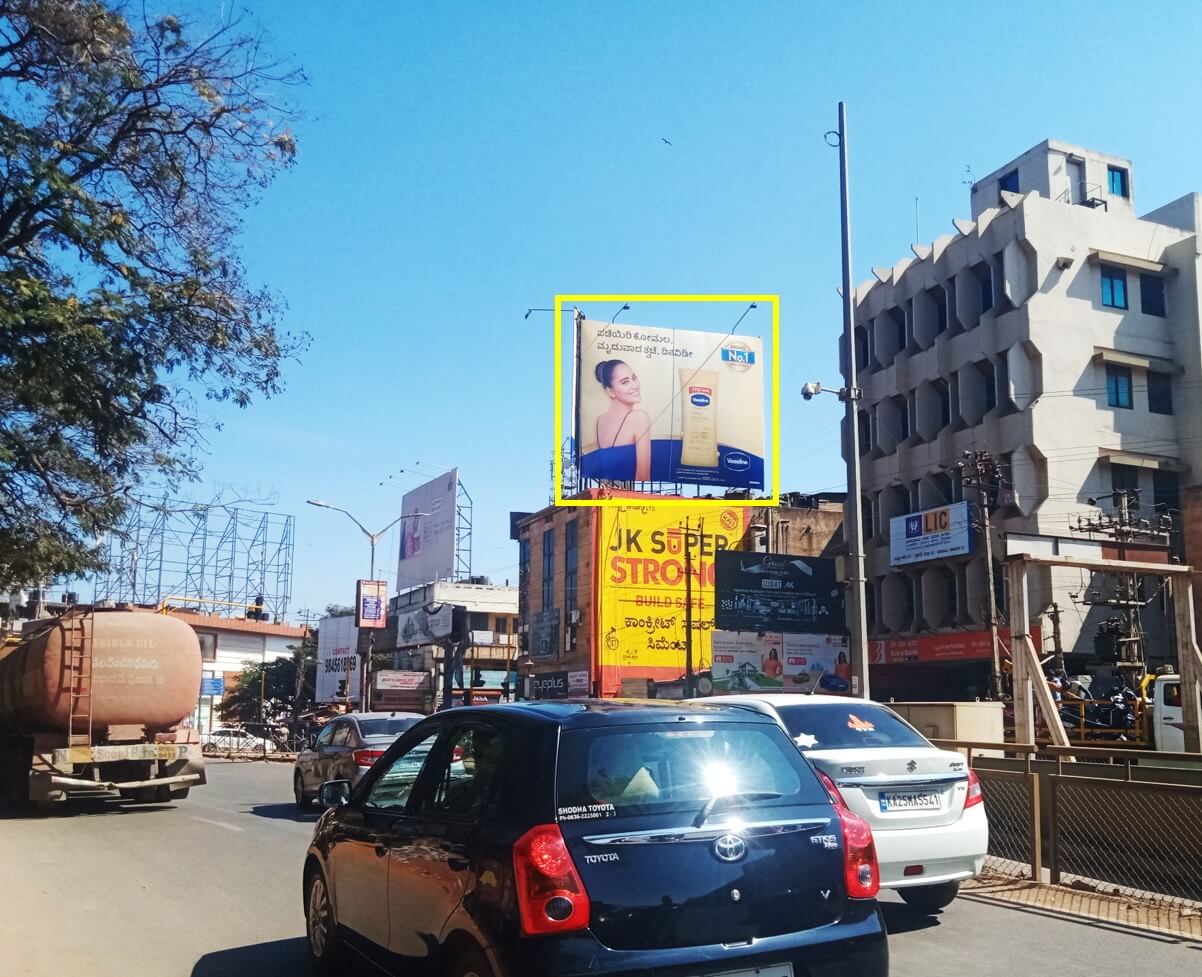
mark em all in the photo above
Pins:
pixel 1098 819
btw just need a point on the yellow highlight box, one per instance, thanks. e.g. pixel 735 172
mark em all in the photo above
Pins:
pixel 648 498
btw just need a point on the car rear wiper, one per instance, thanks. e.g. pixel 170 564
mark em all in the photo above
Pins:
pixel 732 800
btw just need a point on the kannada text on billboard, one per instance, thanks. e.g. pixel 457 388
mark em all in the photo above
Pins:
pixel 670 405
pixel 644 591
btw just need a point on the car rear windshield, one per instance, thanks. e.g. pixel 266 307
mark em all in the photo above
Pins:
pixel 384 727
pixel 854 726
pixel 638 770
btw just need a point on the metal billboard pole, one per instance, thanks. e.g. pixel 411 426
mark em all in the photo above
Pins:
pixel 855 537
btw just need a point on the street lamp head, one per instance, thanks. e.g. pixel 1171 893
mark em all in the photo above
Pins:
pixel 318 502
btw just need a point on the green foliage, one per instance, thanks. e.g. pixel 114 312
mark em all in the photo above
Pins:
pixel 279 686
pixel 128 151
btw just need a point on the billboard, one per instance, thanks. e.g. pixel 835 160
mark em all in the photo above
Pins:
pixel 958 646
pixel 642 587
pixel 337 659
pixel 746 661
pixel 422 626
pixel 774 592
pixel 371 603
pixel 428 540
pixel 930 535
pixel 392 680
pixel 670 405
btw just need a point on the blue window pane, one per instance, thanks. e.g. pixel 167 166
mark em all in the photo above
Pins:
pixel 1117 179
pixel 1114 287
pixel 1118 387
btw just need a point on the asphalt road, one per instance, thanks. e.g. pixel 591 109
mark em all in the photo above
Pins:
pixel 210 888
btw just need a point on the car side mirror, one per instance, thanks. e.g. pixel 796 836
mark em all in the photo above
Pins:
pixel 311 741
pixel 334 793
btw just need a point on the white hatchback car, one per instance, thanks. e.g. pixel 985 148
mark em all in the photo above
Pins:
pixel 924 804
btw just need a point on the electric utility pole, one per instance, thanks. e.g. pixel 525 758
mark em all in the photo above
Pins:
pixel 980 471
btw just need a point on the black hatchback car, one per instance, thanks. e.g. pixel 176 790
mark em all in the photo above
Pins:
pixel 604 838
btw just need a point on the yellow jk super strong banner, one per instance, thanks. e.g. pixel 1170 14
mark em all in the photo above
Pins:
pixel 642 589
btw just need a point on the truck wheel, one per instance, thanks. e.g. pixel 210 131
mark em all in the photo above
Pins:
pixel 929 898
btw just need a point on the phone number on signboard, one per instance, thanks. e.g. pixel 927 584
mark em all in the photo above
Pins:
pixel 344 664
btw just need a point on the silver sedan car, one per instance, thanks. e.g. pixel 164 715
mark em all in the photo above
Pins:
pixel 345 749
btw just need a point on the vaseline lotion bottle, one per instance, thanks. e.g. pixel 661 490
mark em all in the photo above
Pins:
pixel 699 418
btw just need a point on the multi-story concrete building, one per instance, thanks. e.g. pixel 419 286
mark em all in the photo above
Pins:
pixel 1058 331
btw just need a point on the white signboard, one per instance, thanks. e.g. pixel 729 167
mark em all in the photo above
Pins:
pixel 399 681
pixel 747 661
pixel 337 659
pixel 428 532
pixel 930 535
pixel 420 626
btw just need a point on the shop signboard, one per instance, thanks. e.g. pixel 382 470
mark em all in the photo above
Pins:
pixel 550 685
pixel 337 660
pixel 930 535
pixel 746 661
pixel 956 646
pixel 371 603
pixel 390 680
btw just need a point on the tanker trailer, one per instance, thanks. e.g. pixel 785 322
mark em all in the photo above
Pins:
pixel 92 702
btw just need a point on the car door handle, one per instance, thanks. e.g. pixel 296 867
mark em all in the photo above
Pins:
pixel 458 864
pixel 382 851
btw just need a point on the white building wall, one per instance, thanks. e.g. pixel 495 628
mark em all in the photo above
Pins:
pixel 1045 343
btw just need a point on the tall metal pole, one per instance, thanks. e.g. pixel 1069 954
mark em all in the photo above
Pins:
pixel 855 537
pixel 688 614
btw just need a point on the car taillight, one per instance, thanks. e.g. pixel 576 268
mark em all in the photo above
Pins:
pixel 861 873
pixel 975 796
pixel 457 754
pixel 365 758
pixel 831 790
pixel 551 896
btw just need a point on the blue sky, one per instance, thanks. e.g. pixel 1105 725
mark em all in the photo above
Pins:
pixel 461 162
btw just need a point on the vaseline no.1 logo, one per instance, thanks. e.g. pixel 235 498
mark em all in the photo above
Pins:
pixel 738 356
pixel 736 461
pixel 700 396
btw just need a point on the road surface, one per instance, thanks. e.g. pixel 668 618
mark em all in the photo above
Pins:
pixel 210 887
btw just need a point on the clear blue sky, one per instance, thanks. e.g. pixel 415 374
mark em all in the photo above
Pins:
pixel 463 162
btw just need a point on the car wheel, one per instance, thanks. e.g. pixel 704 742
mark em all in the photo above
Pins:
pixel 471 964
pixel 327 952
pixel 298 791
pixel 930 898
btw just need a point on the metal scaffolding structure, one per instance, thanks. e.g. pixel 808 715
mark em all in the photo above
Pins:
pixel 463 534
pixel 211 555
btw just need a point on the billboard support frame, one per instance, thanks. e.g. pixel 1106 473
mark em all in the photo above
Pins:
pixel 463 533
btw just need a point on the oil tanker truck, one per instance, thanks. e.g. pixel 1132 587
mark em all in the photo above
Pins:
pixel 93 701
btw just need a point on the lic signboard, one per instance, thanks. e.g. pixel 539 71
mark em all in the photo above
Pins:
pixel 930 535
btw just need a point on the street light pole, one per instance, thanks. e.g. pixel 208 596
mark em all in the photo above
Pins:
pixel 372 538
pixel 851 397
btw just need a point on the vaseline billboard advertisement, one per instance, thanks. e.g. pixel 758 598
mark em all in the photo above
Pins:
pixel 642 587
pixel 670 405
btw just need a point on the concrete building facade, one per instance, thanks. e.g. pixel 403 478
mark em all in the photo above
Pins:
pixel 1058 331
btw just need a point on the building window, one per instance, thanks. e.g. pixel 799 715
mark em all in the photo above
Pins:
pixel 569 566
pixel 870 604
pixel 1160 393
pixel 1151 295
pixel 1114 287
pixel 1166 492
pixel 1125 479
pixel 945 403
pixel 502 625
pixel 208 645
pixel 909 599
pixel 985 279
pixel 867 530
pixel 1009 182
pixel 951 597
pixel 1116 178
pixel 865 432
pixel 523 577
pixel 1118 387
pixel 477 621
pixel 903 419
pixel 548 569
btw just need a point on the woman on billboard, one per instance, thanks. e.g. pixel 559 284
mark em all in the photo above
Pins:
pixel 623 433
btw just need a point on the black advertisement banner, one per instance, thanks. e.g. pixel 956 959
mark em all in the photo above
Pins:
pixel 776 592
pixel 550 685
